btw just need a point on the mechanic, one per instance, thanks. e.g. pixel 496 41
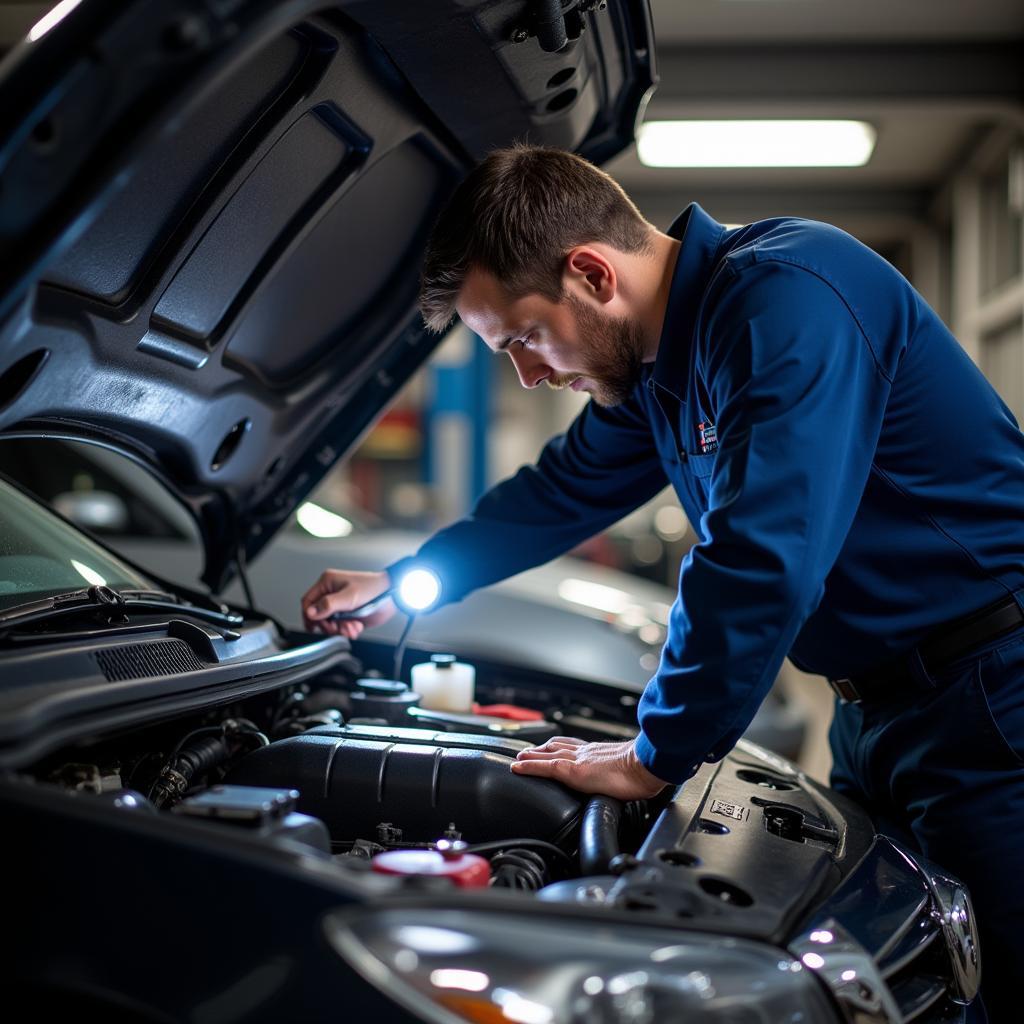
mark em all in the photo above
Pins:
pixel 856 485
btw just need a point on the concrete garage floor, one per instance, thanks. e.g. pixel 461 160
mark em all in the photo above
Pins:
pixel 814 696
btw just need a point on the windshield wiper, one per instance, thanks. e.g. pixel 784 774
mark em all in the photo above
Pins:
pixel 109 605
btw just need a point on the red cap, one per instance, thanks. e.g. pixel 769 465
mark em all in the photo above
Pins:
pixel 466 870
pixel 513 712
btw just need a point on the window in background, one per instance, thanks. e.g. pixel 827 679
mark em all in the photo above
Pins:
pixel 1002 221
pixel 1002 361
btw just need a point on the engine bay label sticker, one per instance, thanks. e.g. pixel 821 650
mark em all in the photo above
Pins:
pixel 728 810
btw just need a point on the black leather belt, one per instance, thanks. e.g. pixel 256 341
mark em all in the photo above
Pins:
pixel 941 647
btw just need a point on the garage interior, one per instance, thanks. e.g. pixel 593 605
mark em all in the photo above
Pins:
pixel 934 90
pixel 941 197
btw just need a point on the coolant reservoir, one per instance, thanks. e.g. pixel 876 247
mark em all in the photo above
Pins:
pixel 444 684
pixel 466 870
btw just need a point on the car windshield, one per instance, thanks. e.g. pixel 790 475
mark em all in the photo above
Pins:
pixel 41 555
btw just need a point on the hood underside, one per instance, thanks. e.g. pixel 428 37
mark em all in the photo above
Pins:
pixel 212 216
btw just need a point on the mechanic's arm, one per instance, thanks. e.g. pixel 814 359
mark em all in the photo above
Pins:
pixel 603 467
pixel 799 399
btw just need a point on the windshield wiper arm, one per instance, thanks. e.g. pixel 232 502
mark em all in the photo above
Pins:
pixel 109 604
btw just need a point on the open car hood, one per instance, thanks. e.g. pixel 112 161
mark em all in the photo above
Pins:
pixel 212 215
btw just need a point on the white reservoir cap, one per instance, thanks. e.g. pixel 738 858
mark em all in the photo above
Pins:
pixel 444 684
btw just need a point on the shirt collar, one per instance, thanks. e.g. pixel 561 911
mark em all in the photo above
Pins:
pixel 700 237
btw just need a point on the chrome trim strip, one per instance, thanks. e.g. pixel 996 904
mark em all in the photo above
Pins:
pixel 850 973
pixel 955 916
pixel 835 945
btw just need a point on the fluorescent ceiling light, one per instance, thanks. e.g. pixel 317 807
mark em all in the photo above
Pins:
pixel 52 18
pixel 594 595
pixel 322 523
pixel 756 143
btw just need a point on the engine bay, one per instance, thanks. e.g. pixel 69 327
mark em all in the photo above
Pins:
pixel 350 771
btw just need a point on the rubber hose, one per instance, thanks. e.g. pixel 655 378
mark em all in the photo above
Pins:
pixel 599 834
pixel 191 762
pixel 199 757
pixel 519 869
pixel 549 24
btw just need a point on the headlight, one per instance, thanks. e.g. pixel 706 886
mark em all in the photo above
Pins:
pixel 492 968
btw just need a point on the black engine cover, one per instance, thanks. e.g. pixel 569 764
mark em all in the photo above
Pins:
pixel 355 777
pixel 746 847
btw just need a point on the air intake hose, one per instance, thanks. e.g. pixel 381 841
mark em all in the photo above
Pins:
pixel 599 834
pixel 190 762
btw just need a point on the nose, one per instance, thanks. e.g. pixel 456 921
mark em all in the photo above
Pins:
pixel 532 371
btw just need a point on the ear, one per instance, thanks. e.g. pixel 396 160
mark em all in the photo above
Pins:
pixel 589 274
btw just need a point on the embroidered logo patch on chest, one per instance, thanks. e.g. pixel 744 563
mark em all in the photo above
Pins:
pixel 708 435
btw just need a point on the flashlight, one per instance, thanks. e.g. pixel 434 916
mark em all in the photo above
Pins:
pixel 417 591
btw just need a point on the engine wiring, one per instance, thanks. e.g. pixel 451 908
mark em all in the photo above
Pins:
pixel 196 754
pixel 518 868
pixel 505 844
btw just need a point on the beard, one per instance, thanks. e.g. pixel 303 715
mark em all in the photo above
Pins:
pixel 614 354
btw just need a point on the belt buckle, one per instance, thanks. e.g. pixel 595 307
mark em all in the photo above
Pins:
pixel 845 690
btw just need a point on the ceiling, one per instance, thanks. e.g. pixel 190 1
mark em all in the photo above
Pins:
pixel 731 21
pixel 932 76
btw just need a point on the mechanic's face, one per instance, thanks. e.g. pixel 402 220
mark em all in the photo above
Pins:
pixel 562 344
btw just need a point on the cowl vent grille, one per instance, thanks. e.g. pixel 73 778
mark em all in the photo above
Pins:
pixel 156 658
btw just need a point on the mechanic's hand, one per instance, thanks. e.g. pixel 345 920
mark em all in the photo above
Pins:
pixel 612 769
pixel 339 590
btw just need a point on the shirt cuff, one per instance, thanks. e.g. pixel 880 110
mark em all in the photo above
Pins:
pixel 396 569
pixel 665 767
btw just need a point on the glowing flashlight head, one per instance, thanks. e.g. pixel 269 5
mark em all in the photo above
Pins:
pixel 418 590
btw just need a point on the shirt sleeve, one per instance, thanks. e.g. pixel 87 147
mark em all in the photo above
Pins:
pixel 799 401
pixel 603 467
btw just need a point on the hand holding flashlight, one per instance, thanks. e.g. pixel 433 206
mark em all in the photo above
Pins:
pixel 344 603
pixel 361 598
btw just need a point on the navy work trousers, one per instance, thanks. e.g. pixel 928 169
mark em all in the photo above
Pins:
pixel 943 771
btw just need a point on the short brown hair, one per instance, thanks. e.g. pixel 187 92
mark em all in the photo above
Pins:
pixel 516 215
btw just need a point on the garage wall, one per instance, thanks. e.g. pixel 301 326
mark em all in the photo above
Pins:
pixel 987 199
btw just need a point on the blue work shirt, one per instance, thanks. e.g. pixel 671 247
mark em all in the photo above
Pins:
pixel 853 479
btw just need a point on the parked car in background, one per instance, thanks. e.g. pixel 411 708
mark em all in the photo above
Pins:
pixel 569 617
pixel 211 217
